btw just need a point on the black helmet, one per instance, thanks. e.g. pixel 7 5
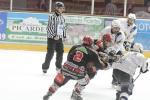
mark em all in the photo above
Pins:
pixel 59 4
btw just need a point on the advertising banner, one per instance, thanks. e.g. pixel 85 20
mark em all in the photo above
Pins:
pixel 79 26
pixel 26 28
pixel 3 19
pixel 31 28
pixel 143 35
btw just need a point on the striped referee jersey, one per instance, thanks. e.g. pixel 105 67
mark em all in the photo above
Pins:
pixel 56 20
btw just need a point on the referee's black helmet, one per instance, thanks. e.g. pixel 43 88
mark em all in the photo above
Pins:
pixel 59 4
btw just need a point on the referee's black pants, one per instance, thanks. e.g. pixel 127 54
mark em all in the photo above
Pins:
pixel 54 45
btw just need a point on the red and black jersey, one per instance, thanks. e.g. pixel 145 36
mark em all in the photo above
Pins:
pixel 77 59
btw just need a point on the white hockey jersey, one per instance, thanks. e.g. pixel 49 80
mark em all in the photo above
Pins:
pixel 130 31
pixel 117 40
pixel 130 61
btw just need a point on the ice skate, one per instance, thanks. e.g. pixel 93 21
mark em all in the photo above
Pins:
pixel 46 97
pixel 123 98
pixel 44 68
pixel 114 84
pixel 44 71
pixel 76 96
pixel 117 96
pixel 58 69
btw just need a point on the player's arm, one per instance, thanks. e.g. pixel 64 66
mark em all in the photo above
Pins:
pixel 133 32
pixel 101 62
pixel 144 68
pixel 50 26
pixel 119 43
pixel 143 63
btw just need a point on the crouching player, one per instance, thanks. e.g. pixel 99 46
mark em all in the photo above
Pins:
pixel 125 70
pixel 76 67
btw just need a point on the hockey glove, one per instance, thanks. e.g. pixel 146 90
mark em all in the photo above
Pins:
pixel 127 45
pixel 144 69
pixel 112 53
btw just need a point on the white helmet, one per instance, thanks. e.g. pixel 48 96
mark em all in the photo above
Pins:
pixel 137 47
pixel 115 23
pixel 132 16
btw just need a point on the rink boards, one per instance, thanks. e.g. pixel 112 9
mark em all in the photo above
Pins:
pixel 41 48
pixel 27 31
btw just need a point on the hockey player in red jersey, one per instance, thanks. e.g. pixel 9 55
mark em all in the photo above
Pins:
pixel 101 46
pixel 80 60
pixel 103 43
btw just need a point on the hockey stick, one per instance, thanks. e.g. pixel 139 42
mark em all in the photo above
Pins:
pixel 137 77
pixel 141 72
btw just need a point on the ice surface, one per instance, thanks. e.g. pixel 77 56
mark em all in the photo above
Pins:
pixel 21 78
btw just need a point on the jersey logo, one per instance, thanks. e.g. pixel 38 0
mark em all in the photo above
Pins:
pixel 78 56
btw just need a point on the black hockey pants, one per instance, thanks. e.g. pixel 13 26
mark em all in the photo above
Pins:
pixel 54 45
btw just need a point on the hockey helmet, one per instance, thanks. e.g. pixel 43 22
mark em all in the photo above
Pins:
pixel 59 4
pixel 87 40
pixel 107 37
pixel 107 40
pixel 115 23
pixel 132 16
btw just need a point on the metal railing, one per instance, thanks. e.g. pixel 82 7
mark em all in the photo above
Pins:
pixel 91 11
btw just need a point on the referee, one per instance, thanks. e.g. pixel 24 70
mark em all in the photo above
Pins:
pixel 55 35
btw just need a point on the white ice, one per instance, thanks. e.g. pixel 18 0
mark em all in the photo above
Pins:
pixel 21 78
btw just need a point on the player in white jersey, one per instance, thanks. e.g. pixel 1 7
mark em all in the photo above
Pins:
pixel 125 70
pixel 118 38
pixel 128 26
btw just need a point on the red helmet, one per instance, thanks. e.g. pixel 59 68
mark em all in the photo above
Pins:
pixel 87 40
pixel 107 37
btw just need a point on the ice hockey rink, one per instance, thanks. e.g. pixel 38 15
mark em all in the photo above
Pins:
pixel 21 78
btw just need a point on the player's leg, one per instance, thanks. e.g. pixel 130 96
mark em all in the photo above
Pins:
pixel 49 55
pixel 79 86
pixel 59 81
pixel 114 77
pixel 59 54
pixel 124 92
pixel 91 70
pixel 125 87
